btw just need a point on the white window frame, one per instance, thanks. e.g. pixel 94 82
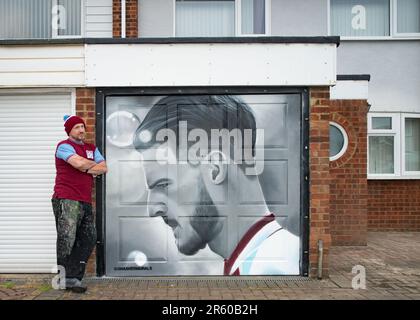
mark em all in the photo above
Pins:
pixel 238 17
pixel 393 35
pixel 238 20
pixel 405 173
pixel 345 144
pixel 54 31
pixel 393 132
pixel 394 122
pixel 398 131
pixel 395 32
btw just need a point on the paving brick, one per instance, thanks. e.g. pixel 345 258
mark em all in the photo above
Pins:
pixel 392 262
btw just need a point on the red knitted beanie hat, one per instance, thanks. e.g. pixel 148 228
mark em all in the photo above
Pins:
pixel 71 121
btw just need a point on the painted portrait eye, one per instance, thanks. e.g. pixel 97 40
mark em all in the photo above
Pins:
pixel 163 185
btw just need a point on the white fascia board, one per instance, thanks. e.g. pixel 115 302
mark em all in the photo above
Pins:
pixel 210 64
pixel 350 90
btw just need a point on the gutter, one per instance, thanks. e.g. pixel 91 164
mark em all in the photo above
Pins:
pixel 173 40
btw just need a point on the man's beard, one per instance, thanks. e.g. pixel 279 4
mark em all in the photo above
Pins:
pixel 205 219
pixel 79 138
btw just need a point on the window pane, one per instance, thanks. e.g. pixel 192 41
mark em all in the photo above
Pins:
pixel 357 18
pixel 205 18
pixel 381 154
pixel 336 141
pixel 253 16
pixel 381 123
pixel 408 16
pixel 69 13
pixel 412 144
pixel 25 19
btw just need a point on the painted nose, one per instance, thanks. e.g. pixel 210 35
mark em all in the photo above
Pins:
pixel 157 209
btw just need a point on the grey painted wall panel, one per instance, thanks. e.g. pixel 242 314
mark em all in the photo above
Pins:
pixel 156 18
pixel 394 67
pixel 299 17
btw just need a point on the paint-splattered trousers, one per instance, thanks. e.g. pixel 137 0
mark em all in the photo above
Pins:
pixel 76 235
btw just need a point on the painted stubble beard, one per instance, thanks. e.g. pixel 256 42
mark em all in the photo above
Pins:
pixel 205 220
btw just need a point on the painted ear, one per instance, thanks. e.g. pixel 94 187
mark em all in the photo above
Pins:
pixel 218 167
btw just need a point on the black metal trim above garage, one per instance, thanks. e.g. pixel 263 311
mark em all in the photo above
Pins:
pixel 353 77
pixel 173 40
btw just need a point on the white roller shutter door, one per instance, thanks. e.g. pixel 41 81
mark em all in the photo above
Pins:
pixel 30 127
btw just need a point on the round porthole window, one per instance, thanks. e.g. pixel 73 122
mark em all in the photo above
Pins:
pixel 338 141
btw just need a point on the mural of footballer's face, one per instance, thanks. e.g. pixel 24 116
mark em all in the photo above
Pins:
pixel 178 194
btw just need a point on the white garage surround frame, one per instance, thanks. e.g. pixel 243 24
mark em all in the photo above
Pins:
pixel 158 62
pixel 103 93
pixel 210 64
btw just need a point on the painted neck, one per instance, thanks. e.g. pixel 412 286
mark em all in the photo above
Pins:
pixel 226 240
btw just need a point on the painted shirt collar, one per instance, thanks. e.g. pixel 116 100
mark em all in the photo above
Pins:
pixel 250 242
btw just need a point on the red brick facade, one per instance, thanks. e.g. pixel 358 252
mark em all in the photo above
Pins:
pixel 319 177
pixel 116 18
pixel 338 193
pixel 348 187
pixel 131 18
pixel 394 205
pixel 85 108
pixel 132 29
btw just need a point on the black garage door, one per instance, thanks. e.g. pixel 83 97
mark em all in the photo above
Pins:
pixel 203 184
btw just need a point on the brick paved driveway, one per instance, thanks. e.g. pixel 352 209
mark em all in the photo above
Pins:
pixel 391 260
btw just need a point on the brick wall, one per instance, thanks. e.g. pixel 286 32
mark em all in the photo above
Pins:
pixel 131 18
pixel 132 29
pixel 348 187
pixel 338 191
pixel 116 18
pixel 319 177
pixel 85 108
pixel 394 205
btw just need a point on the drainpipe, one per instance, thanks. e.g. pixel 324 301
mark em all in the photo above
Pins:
pixel 123 23
pixel 320 257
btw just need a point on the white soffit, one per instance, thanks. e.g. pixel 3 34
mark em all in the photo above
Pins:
pixel 350 90
pixel 211 64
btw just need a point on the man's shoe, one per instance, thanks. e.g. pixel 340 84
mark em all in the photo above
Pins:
pixel 75 285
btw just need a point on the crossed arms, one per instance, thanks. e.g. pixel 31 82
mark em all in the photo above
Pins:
pixel 95 167
pixel 83 164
